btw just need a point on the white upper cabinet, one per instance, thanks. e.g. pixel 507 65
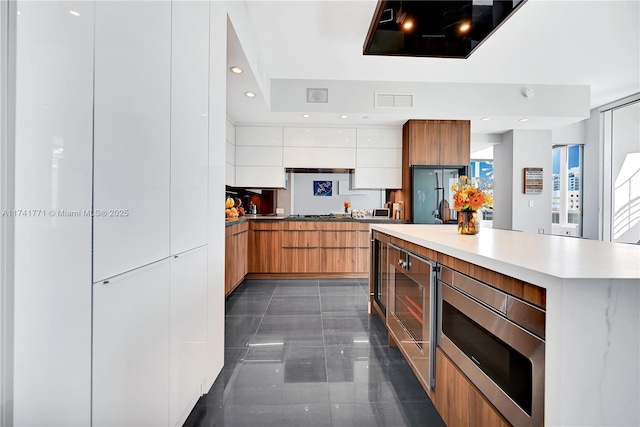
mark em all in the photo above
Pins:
pixel 189 124
pixel 132 135
pixel 310 147
pixel 230 155
pixel 319 137
pixel 379 158
pixel 259 157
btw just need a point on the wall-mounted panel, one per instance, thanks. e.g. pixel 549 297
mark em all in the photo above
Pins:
pixel 131 136
pixel 319 137
pixel 231 132
pixel 53 155
pixel 131 348
pixel 189 124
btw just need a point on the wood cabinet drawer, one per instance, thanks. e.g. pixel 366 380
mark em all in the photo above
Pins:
pixel 264 225
pixel 300 225
pixel 338 260
pixel 300 239
pixel 362 239
pixel 300 260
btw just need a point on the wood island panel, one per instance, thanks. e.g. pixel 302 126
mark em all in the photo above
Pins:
pixel 416 249
pixel 459 402
pixel 523 290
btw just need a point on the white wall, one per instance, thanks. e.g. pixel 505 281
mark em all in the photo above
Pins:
pixel 529 212
pixel 592 178
pixel 305 203
pixel 503 182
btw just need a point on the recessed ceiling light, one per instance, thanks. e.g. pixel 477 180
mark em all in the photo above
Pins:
pixel 249 94
pixel 74 13
pixel 484 119
pixel 306 116
pixel 236 69
pixel 407 25
pixel 19 13
pixel 524 119
pixel 464 27
pixel 344 116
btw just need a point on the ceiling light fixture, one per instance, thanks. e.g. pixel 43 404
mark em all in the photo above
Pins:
pixel 524 119
pixel 306 116
pixel 484 119
pixel 74 13
pixel 344 116
pixel 407 25
pixel 464 27
pixel 235 69
pixel 249 94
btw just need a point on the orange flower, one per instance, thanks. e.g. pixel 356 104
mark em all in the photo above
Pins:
pixel 476 201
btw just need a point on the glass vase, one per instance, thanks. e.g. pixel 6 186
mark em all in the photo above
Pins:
pixel 468 222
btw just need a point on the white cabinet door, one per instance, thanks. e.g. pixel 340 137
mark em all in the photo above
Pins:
pixel 379 138
pixel 52 258
pixel 379 158
pixel 188 332
pixel 258 156
pixel 131 348
pixel 317 157
pixel 260 176
pixel 374 178
pixel 131 136
pixel 319 137
pixel 230 155
pixel 189 124
pixel 270 136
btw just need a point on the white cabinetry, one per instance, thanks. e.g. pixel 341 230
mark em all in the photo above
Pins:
pixel 189 124
pixel 52 258
pixel 259 157
pixel 131 348
pixel 331 148
pixel 132 135
pixel 188 332
pixel 379 158
pixel 230 155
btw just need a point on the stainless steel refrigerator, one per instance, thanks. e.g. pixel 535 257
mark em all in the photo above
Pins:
pixel 432 198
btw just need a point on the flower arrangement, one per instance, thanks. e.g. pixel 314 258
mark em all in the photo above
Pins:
pixel 471 194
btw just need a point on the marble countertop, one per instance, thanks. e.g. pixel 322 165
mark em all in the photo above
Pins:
pixel 526 255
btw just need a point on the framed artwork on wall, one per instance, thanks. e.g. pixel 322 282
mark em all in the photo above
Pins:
pixel 323 188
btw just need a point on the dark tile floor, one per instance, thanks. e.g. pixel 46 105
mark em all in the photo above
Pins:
pixel 302 352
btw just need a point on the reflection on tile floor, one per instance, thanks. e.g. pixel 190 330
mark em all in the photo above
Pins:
pixel 305 352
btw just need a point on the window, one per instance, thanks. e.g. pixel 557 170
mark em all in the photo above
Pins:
pixel 566 193
pixel 483 169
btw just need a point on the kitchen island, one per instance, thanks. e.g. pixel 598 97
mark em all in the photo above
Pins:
pixel 592 358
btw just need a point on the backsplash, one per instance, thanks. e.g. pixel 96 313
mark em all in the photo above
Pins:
pixel 304 201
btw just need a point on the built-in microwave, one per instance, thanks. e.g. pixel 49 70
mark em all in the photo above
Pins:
pixel 497 341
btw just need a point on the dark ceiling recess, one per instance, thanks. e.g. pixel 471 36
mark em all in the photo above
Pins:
pixel 443 29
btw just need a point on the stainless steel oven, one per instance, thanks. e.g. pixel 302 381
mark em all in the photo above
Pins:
pixel 497 341
pixel 411 309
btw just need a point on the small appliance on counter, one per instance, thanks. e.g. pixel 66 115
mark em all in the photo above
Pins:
pixel 380 213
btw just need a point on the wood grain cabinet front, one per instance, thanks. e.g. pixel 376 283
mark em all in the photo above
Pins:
pixel 236 256
pixel 264 247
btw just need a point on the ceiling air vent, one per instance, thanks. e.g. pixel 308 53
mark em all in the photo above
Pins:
pixel 317 95
pixel 394 100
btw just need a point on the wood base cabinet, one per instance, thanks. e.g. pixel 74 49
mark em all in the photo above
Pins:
pixel 236 248
pixel 264 247
pixel 458 401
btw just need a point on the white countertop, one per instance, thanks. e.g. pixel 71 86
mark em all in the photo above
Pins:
pixel 520 254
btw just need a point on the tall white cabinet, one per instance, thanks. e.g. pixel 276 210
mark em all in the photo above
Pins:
pixel 132 135
pixel 52 301
pixel 378 158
